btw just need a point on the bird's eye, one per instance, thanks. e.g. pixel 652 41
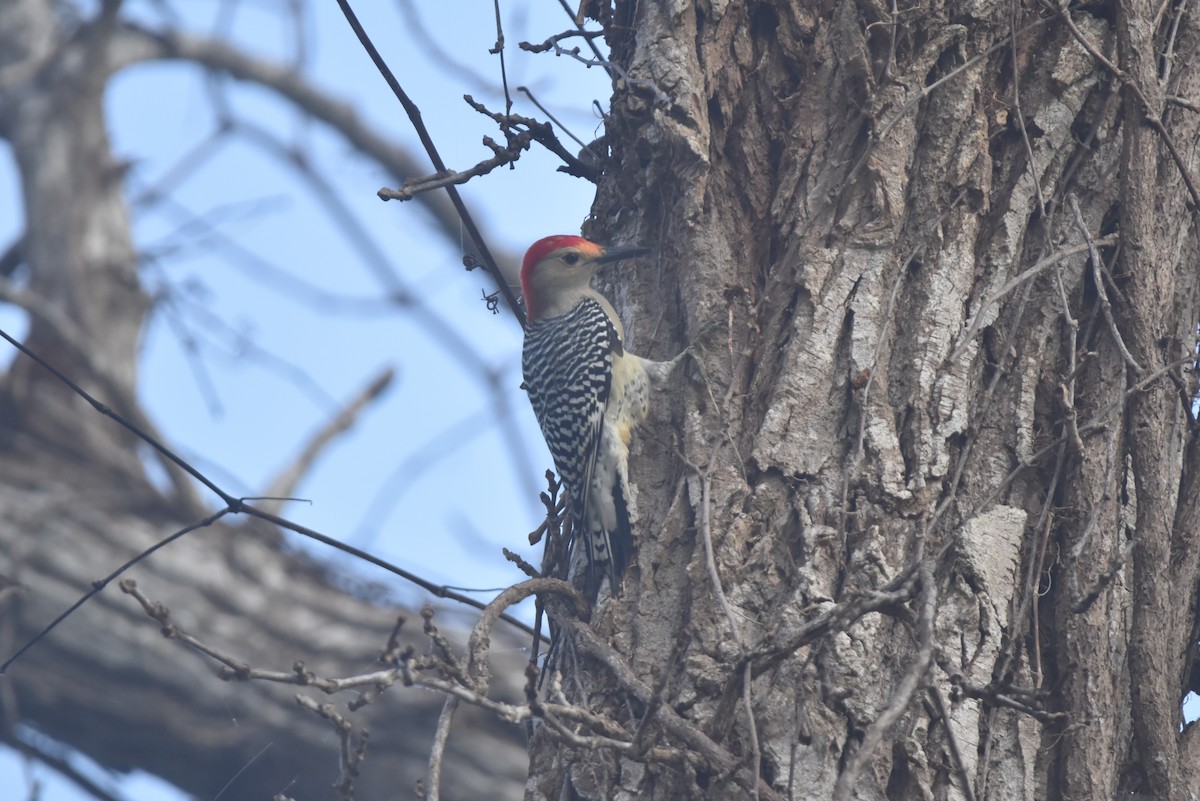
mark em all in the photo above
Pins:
pixel 571 258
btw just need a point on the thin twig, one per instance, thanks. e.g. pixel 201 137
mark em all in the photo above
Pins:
pixel 353 749
pixel 414 115
pixel 433 784
pixel 543 134
pixel 578 21
pixel 960 764
pixel 723 602
pixel 553 42
pixel 237 670
pixel 1150 115
pixel 525 90
pixel 1100 290
pixel 661 98
pixel 499 50
pixel 835 617
pixel 430 672
pixel 100 584
pixel 995 297
pixel 447 179
pixel 233 505
pixel 73 339
pixel 918 95
pixel 913 678
pixel 672 722
pixel 1068 390
pixel 285 482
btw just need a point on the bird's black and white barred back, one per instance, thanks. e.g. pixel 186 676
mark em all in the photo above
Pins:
pixel 568 362
pixel 588 394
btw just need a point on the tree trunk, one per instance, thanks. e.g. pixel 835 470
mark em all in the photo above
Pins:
pixel 944 453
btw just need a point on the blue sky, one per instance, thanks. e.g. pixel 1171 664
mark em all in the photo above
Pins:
pixel 238 373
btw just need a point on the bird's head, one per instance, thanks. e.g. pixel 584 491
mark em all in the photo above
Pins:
pixel 557 272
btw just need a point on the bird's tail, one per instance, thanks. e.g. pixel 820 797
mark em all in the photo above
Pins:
pixel 608 551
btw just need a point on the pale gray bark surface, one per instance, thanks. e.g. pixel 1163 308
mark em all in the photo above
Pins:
pixel 852 195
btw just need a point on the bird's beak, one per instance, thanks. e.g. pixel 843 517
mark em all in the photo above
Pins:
pixel 619 253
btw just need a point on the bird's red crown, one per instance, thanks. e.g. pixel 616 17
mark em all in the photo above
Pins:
pixel 547 245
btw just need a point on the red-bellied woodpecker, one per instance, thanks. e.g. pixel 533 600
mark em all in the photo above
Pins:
pixel 588 392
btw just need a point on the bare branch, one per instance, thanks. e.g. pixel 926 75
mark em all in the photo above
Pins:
pixel 553 42
pixel 440 736
pixel 835 617
pixel 995 297
pixel 133 44
pixel 1094 253
pixel 543 134
pixel 715 578
pixel 909 683
pixel 661 98
pixel 446 179
pixel 286 481
pixel 61 764
pixel 137 421
pixel 713 753
pixel 414 115
pixel 353 748
pixel 960 765
pixel 233 505
pixel 1151 115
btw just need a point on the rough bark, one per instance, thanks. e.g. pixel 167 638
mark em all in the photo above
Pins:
pixel 855 194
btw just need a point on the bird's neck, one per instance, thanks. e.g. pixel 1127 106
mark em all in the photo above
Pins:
pixel 564 302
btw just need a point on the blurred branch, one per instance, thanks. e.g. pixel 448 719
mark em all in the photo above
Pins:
pixel 133 44
pixel 272 275
pixel 12 257
pixel 375 256
pixel 75 341
pixel 285 483
pixel 403 478
pixel 429 43
pixel 241 345
pixel 233 505
pixel 60 764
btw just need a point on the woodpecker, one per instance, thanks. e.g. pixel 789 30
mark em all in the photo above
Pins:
pixel 588 393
